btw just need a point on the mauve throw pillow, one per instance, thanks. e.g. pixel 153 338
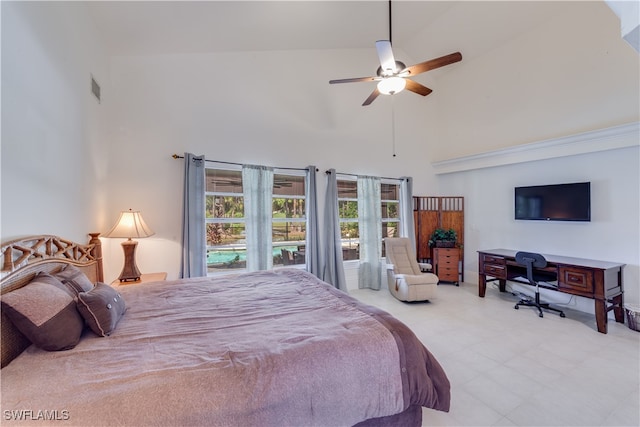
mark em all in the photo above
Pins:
pixel 45 312
pixel 75 279
pixel 102 307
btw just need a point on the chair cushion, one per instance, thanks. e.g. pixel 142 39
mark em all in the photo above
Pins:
pixel 400 254
pixel 418 279
pixel 412 292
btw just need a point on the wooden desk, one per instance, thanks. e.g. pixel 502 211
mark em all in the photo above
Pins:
pixel 598 280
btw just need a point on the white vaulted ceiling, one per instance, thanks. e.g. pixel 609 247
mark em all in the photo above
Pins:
pixel 422 29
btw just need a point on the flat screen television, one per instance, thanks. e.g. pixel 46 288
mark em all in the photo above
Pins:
pixel 558 202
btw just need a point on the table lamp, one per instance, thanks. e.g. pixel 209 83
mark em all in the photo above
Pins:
pixel 130 225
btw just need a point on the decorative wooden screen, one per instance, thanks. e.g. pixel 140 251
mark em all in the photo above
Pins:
pixel 431 212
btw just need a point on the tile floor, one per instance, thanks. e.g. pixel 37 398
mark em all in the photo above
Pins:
pixel 512 368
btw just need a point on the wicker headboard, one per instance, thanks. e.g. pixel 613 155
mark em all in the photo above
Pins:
pixel 21 259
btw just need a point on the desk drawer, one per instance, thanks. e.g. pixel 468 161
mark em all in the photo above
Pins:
pixel 492 259
pixel 575 280
pixel 497 271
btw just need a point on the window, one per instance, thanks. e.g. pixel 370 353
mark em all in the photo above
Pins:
pixel 348 213
pixel 390 201
pixel 224 218
pixel 289 229
pixel 225 221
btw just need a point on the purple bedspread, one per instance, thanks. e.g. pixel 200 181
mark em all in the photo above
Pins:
pixel 270 349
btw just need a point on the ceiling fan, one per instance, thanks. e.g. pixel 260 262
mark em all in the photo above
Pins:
pixel 393 76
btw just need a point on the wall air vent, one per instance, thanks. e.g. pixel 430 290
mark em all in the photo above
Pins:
pixel 95 88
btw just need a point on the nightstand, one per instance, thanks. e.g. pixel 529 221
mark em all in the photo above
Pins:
pixel 148 277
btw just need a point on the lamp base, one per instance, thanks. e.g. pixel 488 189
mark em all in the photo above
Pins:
pixel 130 270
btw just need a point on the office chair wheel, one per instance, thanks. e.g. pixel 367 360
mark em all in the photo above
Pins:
pixel 562 314
pixel 540 315
pixel 517 307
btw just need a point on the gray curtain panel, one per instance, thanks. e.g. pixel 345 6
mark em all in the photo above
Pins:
pixel 194 244
pixel 333 270
pixel 257 187
pixel 313 255
pixel 369 221
pixel 407 226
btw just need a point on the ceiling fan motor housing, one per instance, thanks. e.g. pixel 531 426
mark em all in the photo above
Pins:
pixel 385 73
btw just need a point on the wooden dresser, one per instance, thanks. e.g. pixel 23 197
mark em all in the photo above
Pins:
pixel 445 264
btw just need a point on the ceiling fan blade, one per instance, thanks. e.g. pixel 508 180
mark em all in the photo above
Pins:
pixel 434 63
pixel 385 54
pixel 417 88
pixel 353 80
pixel 371 97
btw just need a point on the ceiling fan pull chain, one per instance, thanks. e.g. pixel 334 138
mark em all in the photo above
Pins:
pixel 393 125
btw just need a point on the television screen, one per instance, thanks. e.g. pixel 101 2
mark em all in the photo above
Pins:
pixel 559 202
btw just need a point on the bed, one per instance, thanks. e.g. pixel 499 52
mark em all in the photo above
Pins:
pixel 274 348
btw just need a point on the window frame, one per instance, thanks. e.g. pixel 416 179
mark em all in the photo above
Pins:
pixel 222 220
pixel 388 220
pixel 384 220
pixel 242 220
pixel 303 219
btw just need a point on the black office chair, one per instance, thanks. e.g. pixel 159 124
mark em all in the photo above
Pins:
pixel 531 260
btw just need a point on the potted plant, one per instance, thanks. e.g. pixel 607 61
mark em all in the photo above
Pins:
pixel 442 238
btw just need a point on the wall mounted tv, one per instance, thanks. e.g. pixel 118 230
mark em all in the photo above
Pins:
pixel 559 202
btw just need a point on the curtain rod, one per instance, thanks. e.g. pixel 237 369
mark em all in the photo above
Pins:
pixel 356 175
pixel 175 156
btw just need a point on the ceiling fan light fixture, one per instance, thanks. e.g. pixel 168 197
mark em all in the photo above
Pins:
pixel 391 85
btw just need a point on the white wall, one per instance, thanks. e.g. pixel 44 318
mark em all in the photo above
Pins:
pixel 53 146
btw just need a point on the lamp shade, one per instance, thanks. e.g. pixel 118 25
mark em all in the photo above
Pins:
pixel 391 85
pixel 130 225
